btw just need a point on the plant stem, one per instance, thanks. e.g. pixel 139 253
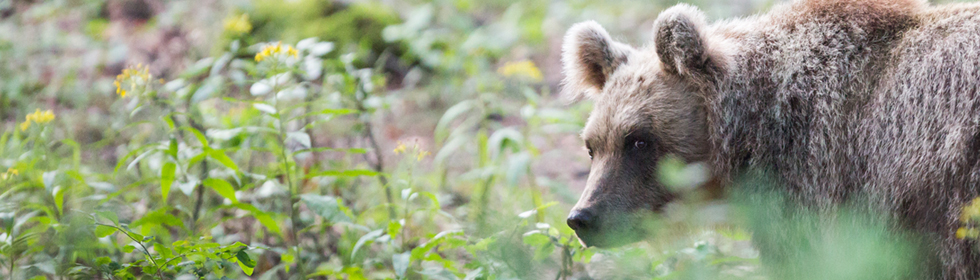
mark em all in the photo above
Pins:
pixel 378 161
pixel 199 195
pixel 287 170
pixel 139 242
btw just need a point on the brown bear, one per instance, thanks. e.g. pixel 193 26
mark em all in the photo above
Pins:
pixel 835 99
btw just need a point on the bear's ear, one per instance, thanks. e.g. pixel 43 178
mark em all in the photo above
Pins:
pixel 681 46
pixel 589 57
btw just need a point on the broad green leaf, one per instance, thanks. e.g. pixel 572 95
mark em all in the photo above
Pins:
pixel 198 68
pixel 504 138
pixel 208 89
pixel 264 218
pixel 536 238
pixel 172 149
pixel 109 216
pixel 544 251
pixel 59 198
pixel 367 238
pixel 265 108
pixel 221 157
pixel 169 120
pixel 451 114
pixel 395 227
pixel 327 207
pixel 167 178
pixel 222 187
pixel 401 263
pixel 163 251
pixel 103 231
pixel 517 167
pixel 288 259
pixel 300 137
pixel 245 262
pixel 158 217
pixel 200 137
pixel 420 251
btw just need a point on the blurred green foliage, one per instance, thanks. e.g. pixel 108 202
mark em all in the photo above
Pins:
pixel 380 140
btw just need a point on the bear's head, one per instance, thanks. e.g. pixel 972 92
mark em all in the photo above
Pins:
pixel 649 103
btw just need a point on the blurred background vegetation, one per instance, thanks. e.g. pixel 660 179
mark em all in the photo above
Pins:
pixel 150 139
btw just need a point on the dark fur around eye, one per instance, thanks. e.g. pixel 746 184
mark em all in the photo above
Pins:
pixel 637 142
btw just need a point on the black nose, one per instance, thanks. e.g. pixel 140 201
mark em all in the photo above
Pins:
pixel 581 220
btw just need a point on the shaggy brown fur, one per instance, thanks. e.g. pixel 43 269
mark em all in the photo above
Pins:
pixel 836 98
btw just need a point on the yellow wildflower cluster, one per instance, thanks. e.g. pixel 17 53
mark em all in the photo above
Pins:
pixel 37 117
pixel 11 172
pixel 238 24
pixel 970 217
pixel 278 49
pixel 419 153
pixel 135 76
pixel 524 68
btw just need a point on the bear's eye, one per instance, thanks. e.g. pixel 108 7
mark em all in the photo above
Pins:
pixel 590 153
pixel 636 143
pixel 639 144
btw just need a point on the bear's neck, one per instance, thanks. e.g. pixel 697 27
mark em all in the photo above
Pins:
pixel 792 95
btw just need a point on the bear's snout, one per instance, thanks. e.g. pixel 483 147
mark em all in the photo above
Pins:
pixel 581 220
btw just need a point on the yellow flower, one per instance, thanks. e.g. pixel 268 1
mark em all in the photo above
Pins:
pixel 138 76
pixel 238 24
pixel 971 211
pixel 9 174
pixel 524 68
pixel 276 51
pixel 37 117
pixel 964 233
pixel 400 149
pixel 418 152
pixel 422 154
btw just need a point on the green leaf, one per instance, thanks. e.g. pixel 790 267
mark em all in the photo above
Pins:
pixel 169 120
pixel 221 157
pixel 200 137
pixel 264 218
pixel 109 216
pixel 222 187
pixel 395 227
pixel 288 259
pixel 167 178
pixel 367 238
pixel 327 207
pixel 536 238
pixel 517 167
pixel 210 86
pixel 59 198
pixel 103 231
pixel 265 108
pixel 163 251
pixel 451 114
pixel 198 68
pixel 504 138
pixel 172 149
pixel 401 263
pixel 132 153
pixel 245 262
